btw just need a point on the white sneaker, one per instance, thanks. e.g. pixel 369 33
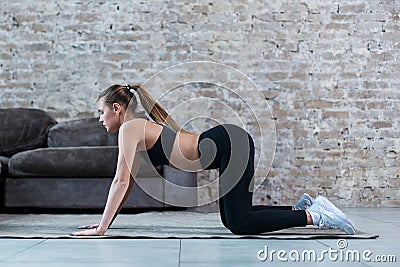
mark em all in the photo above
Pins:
pixel 330 216
pixel 304 203
pixel 331 207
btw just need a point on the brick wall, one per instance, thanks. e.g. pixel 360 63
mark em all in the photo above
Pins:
pixel 328 69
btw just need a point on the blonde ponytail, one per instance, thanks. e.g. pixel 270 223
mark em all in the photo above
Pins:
pixel 156 112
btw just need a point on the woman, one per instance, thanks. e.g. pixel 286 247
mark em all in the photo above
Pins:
pixel 226 147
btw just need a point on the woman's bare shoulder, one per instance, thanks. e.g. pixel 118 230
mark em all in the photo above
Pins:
pixel 143 131
pixel 138 125
pixel 135 121
pixel 133 127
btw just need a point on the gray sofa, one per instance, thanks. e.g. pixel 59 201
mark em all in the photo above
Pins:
pixel 70 165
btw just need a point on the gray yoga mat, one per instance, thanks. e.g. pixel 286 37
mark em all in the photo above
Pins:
pixel 167 224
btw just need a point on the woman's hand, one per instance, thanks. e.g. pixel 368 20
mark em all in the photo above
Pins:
pixel 89 232
pixel 89 226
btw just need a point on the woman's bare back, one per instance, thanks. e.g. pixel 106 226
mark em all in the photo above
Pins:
pixel 184 154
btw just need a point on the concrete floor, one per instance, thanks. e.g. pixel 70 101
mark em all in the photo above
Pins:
pixel 214 252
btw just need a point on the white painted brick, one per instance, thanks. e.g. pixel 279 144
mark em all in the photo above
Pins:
pixel 324 66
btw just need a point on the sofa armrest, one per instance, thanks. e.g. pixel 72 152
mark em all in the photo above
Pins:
pixel 3 175
pixel 180 187
pixel 4 166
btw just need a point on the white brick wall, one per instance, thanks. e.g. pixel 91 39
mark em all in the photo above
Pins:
pixel 329 70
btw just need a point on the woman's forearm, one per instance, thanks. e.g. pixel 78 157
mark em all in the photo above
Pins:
pixel 127 193
pixel 116 195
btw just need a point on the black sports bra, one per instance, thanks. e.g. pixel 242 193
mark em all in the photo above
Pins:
pixel 160 152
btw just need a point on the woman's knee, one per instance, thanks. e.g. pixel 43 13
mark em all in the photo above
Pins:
pixel 236 227
pixel 237 230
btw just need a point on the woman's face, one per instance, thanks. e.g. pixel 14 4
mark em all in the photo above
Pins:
pixel 109 117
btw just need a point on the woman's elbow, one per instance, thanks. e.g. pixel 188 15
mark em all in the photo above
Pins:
pixel 120 183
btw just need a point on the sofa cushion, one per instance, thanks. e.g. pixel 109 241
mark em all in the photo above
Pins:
pixel 71 162
pixel 23 129
pixel 81 132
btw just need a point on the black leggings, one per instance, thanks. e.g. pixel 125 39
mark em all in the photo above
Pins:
pixel 230 149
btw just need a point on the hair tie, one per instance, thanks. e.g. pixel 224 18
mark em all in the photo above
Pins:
pixel 132 90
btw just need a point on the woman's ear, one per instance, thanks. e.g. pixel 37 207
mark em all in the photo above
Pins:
pixel 117 108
